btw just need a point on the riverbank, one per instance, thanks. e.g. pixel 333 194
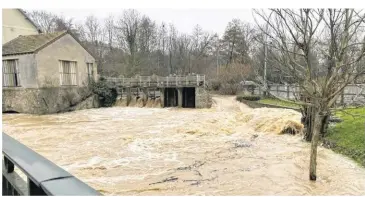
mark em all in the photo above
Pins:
pixel 257 102
pixel 346 137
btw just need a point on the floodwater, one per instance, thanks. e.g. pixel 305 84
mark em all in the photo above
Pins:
pixel 229 149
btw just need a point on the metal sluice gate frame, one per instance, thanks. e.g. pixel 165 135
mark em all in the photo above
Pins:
pixel 44 178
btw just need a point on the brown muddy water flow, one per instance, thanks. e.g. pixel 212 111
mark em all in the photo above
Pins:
pixel 151 151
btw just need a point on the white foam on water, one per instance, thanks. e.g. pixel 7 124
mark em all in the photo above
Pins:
pixel 90 163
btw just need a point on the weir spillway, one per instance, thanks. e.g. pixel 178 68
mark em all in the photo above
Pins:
pixel 171 91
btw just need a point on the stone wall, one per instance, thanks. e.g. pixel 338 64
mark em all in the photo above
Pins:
pixel 202 98
pixel 90 102
pixel 47 100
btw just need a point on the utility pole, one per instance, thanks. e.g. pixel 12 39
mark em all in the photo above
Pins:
pixel 265 64
pixel 217 62
pixel 265 58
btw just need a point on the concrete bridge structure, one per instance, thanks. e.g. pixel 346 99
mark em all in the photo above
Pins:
pixel 171 91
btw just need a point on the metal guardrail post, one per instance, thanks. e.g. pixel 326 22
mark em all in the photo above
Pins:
pixel 35 190
pixel 9 166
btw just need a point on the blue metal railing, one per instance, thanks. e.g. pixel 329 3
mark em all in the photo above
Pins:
pixel 43 176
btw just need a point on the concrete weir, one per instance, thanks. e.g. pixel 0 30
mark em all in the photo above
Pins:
pixel 154 91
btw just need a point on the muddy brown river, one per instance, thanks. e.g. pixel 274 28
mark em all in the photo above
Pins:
pixel 229 149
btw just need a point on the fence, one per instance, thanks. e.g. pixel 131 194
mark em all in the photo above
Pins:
pixel 353 93
pixel 43 176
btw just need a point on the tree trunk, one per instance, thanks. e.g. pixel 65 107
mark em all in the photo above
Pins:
pixel 308 122
pixel 308 119
pixel 324 126
pixel 314 144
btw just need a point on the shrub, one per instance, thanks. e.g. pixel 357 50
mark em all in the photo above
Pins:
pixel 107 95
pixel 230 77
pixel 230 88
pixel 248 97
pixel 214 85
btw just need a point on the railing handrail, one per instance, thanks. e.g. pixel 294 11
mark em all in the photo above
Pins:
pixel 45 176
pixel 164 80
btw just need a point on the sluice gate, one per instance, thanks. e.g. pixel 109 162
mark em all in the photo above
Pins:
pixel 171 91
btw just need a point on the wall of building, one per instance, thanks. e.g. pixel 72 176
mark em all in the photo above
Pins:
pixel 27 67
pixel 15 24
pixel 65 48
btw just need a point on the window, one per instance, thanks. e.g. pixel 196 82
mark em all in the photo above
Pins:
pixel 90 71
pixel 10 73
pixel 68 73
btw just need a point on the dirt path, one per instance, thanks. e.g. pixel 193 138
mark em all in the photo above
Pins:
pixel 149 151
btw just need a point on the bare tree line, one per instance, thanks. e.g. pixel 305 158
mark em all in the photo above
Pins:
pixel 132 43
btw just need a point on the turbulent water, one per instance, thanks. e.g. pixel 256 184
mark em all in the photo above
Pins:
pixel 169 151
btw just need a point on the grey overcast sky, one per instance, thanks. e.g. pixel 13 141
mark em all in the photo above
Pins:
pixel 212 20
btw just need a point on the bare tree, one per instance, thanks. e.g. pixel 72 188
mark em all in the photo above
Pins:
pixel 46 21
pixel 62 24
pixel 230 77
pixel 147 42
pixel 184 53
pixel 172 47
pixel 162 43
pixel 236 42
pixel 201 42
pixel 93 30
pixel 110 30
pixel 337 36
pixel 128 26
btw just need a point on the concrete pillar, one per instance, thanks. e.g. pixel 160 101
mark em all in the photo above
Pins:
pixel 129 96
pixel 179 97
pixel 162 97
pixel 145 96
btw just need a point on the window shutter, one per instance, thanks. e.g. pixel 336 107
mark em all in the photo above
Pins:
pixel 11 77
pixel 17 72
pixel 68 73
pixel 60 71
pixel 5 76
